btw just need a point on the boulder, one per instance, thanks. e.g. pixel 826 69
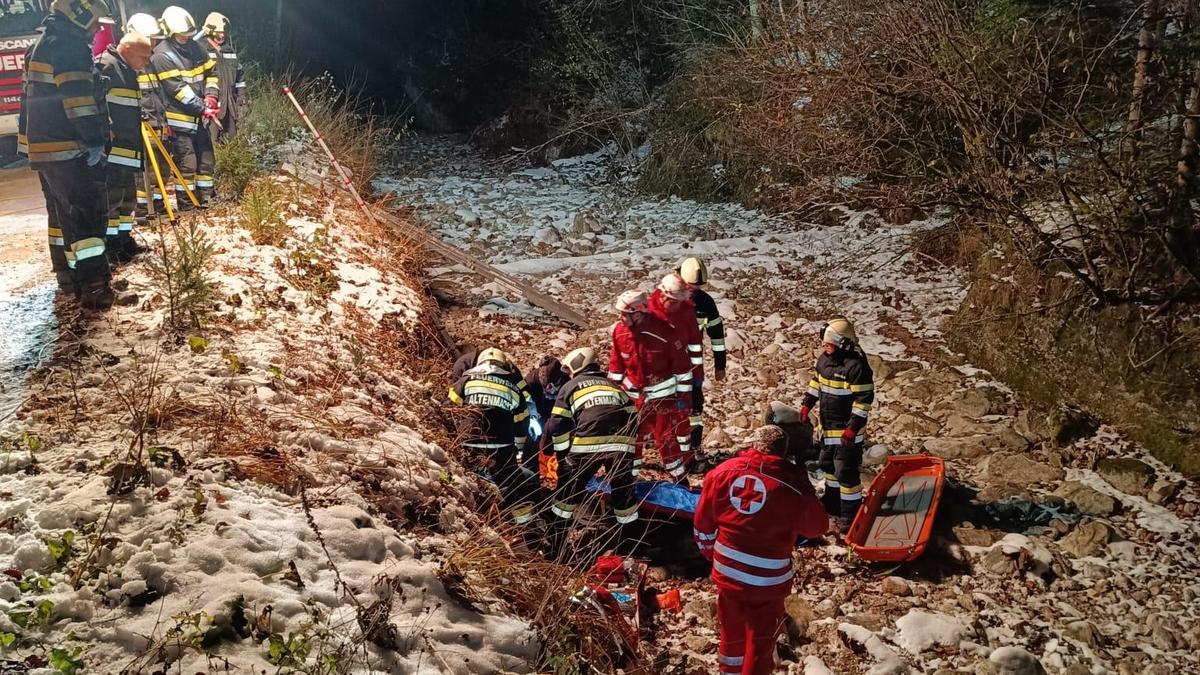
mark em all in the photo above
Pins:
pixel 799 615
pixel 704 609
pixel 896 586
pixel 927 385
pixel 1031 425
pixel 1164 491
pixel 1018 469
pixel 1016 553
pixel 1127 474
pixel 907 424
pixel 1088 501
pixel 974 403
pixel 1084 632
pixel 972 536
pixel 968 447
pixel 876 455
pixel 1086 540
pixel 1015 661
pixel 1070 424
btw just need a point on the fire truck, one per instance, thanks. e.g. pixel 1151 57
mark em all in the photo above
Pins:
pixel 19 20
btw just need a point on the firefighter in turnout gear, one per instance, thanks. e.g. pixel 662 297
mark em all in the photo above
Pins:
pixel 671 304
pixel 64 132
pixel 593 425
pixel 189 85
pixel 708 320
pixel 753 508
pixel 844 389
pixel 232 103
pixel 650 361
pixel 118 65
pixel 154 110
pixel 544 382
pixel 497 427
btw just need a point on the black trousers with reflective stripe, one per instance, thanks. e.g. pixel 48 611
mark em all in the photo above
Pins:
pixel 81 206
pixel 121 188
pixel 58 254
pixel 193 155
pixel 576 469
pixel 844 463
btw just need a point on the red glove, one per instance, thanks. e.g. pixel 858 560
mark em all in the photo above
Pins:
pixel 804 413
pixel 211 107
pixel 848 437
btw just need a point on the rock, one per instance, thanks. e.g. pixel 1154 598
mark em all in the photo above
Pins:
pixel 704 608
pixel 718 439
pixel 1031 425
pixel 896 586
pixel 700 644
pixel 920 631
pixel 1018 469
pixel 1165 491
pixel 1076 669
pixel 1085 632
pixel 778 412
pixel 956 448
pixel 974 403
pixel 1070 424
pixel 1016 553
pixel 887 662
pixel 799 615
pixel 1086 540
pixel 1088 501
pixel 1129 475
pixel 1162 637
pixel 1015 661
pixel 973 536
pixel 907 424
pixel 813 665
pixel 995 493
pixel 868 620
pixel 740 421
pixel 876 455
pixel 586 222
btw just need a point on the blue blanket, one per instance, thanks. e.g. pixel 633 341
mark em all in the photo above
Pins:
pixel 660 495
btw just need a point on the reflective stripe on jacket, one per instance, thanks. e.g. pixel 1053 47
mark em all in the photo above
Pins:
pixel 592 415
pixel 844 387
pixel 185 75
pixel 124 109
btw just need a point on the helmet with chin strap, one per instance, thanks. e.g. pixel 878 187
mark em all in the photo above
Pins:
pixel 86 14
pixel 839 332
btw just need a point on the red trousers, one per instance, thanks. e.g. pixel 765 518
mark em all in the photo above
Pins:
pixel 658 420
pixel 749 627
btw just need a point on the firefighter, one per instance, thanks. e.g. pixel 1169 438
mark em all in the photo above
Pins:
pixel 118 67
pixel 650 361
pixel 753 508
pixel 593 424
pixel 65 132
pixel 189 85
pixel 670 302
pixel 844 388
pixel 498 429
pixel 154 111
pixel 544 383
pixel 708 320
pixel 232 101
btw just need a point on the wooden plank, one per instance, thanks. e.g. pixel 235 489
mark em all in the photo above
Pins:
pixel 437 245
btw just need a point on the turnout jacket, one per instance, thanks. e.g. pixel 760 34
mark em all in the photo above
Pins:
pixel 708 319
pixel 124 109
pixel 231 81
pixel 62 110
pixel 592 415
pixel 544 383
pixel 753 508
pixel 503 420
pixel 845 388
pixel 186 76
pixel 467 362
pixel 649 360
pixel 682 317
pixel 154 104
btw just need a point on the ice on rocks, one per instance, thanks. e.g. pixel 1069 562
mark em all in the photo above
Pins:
pixel 919 631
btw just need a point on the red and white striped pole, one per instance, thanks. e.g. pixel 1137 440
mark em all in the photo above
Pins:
pixel 349 184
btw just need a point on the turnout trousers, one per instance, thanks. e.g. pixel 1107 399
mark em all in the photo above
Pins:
pixel 576 469
pixel 121 188
pixel 518 485
pixel 749 627
pixel 843 487
pixel 193 155
pixel 58 253
pixel 81 207
pixel 658 422
pixel 697 417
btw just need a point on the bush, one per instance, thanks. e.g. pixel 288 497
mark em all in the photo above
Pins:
pixel 262 215
pixel 180 266
pixel 237 165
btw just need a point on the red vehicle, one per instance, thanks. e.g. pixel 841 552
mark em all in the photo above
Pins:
pixel 19 20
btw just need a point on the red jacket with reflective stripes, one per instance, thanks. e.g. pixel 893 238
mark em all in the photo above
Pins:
pixel 753 507
pixel 648 359
pixel 682 318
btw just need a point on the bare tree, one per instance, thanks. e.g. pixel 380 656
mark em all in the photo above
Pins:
pixel 1151 12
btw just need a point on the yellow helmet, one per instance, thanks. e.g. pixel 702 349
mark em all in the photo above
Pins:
pixel 693 271
pixel 579 359
pixel 216 23
pixel 83 13
pixel 492 355
pixel 839 332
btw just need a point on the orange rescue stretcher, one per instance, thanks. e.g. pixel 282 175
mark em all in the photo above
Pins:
pixel 898 510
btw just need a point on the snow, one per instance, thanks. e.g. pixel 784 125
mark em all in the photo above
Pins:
pixel 887 662
pixel 919 631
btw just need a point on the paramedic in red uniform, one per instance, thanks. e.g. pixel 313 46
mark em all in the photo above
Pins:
pixel 651 364
pixel 753 508
pixel 671 302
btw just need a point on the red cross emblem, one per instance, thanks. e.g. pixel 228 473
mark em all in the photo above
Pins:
pixel 748 494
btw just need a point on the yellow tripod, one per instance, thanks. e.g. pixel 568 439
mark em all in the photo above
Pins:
pixel 152 141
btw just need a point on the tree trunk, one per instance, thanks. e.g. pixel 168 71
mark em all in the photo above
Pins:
pixel 1182 236
pixel 756 18
pixel 1146 43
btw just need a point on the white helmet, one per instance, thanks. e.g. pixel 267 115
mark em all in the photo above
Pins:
pixel 492 355
pixel 145 24
pixel 630 301
pixel 176 20
pixel 216 23
pixel 839 332
pixel 579 359
pixel 674 287
pixel 693 271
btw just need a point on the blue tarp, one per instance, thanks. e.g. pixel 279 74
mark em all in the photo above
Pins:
pixel 658 495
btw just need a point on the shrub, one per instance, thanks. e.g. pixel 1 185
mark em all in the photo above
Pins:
pixel 262 215
pixel 180 267
pixel 237 165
